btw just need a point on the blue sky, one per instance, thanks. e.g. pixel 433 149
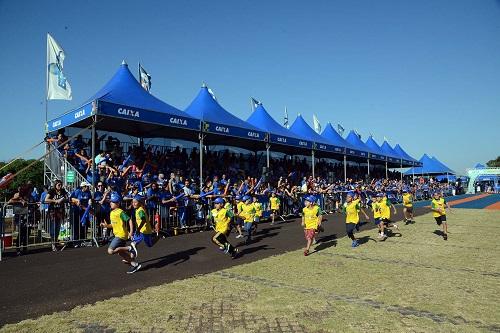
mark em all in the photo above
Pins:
pixel 425 74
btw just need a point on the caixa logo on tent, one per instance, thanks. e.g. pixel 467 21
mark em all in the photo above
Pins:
pixel 56 123
pixel 253 135
pixel 128 112
pixel 79 114
pixel 178 121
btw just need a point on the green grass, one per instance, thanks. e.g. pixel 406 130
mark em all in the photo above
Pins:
pixel 414 283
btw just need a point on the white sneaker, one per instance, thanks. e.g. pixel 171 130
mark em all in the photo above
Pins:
pixel 396 226
pixel 239 236
pixel 380 235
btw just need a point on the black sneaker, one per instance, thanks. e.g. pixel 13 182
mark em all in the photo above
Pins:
pixel 445 236
pixel 134 269
pixel 235 254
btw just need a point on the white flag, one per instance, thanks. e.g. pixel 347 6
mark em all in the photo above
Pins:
pixel 58 87
pixel 211 92
pixel 317 125
pixel 145 78
pixel 285 120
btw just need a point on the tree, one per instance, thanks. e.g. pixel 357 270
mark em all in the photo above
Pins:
pixel 494 163
pixel 34 174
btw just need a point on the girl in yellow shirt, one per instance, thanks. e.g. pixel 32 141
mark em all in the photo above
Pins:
pixel 311 221
pixel 352 208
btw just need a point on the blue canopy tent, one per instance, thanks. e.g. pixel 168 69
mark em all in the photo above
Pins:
pixel 123 106
pixel 220 126
pixel 321 145
pixel 284 140
pixel 479 166
pixel 393 158
pixel 407 159
pixel 429 167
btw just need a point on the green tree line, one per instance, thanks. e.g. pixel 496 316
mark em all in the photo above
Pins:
pixel 33 174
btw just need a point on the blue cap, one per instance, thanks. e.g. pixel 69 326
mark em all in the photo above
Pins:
pixel 115 197
pixel 380 194
pixel 405 190
pixel 350 194
pixel 247 197
pixel 219 200
pixel 238 197
pixel 310 198
pixel 138 197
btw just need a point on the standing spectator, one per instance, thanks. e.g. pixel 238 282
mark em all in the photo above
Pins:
pixel 56 197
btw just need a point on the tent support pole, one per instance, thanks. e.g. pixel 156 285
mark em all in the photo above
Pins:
pixel 201 137
pixel 268 146
pixel 386 171
pixel 401 171
pixel 368 162
pixel 312 157
pixel 345 168
pixel 94 229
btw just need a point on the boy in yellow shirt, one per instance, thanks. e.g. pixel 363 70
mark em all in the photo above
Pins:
pixel 274 203
pixel 438 206
pixel 118 245
pixel 352 208
pixel 222 226
pixel 377 216
pixel 247 214
pixel 258 213
pixel 407 206
pixel 385 210
pixel 311 221
pixel 143 228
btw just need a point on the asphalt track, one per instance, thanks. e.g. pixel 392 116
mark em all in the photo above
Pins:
pixel 46 282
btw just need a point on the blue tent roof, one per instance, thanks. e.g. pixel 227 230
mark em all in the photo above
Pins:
pixel 398 149
pixel 302 129
pixel 331 135
pixel 356 142
pixel 479 166
pixel 430 166
pixel 218 120
pixel 261 119
pixel 442 165
pixel 124 99
pixel 373 145
pixel 392 156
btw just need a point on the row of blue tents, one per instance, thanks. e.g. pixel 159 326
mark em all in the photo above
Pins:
pixel 123 106
pixel 430 166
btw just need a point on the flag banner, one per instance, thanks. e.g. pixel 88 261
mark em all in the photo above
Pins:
pixel 211 92
pixel 145 78
pixel 317 125
pixel 359 135
pixel 285 120
pixel 340 129
pixel 58 86
pixel 385 139
pixel 254 103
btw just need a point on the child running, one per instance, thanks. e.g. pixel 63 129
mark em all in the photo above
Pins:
pixel 311 221
pixel 377 216
pixel 144 229
pixel 438 206
pixel 352 208
pixel 275 206
pixel 247 214
pixel 118 245
pixel 258 213
pixel 237 220
pixel 385 211
pixel 407 206
pixel 222 226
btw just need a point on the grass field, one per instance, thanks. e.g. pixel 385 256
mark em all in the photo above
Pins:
pixel 414 283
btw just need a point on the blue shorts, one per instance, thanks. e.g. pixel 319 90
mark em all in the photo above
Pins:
pixel 147 238
pixel 377 221
pixel 117 242
pixel 238 221
pixel 350 227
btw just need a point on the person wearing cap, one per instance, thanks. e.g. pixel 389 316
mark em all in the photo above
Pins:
pixel 143 225
pixel 311 221
pixel 258 213
pixel 247 214
pixel 375 206
pixel 352 208
pixel 79 199
pixel 56 197
pixel 274 203
pixel 120 221
pixel 438 205
pixel 407 206
pixel 237 219
pixel 385 211
pixel 222 226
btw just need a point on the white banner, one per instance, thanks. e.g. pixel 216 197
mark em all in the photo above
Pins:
pixel 58 87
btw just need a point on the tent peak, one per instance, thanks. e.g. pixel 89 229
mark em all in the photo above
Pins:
pixel 203 85
pixel 124 63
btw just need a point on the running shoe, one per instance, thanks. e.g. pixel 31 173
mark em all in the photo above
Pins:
pixel 354 243
pixel 306 253
pixel 395 226
pixel 235 254
pixel 239 236
pixel 445 236
pixel 134 269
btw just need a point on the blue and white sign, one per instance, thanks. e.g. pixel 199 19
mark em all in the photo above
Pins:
pixel 70 118
pixel 234 131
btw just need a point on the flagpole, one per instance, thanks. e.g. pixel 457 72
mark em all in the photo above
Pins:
pixel 45 127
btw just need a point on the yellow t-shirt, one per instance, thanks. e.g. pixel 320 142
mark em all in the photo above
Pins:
pixel 311 217
pixel 239 205
pixel 351 209
pixel 119 220
pixel 258 209
pixel 407 200
pixel 275 203
pixel 140 215
pixel 385 208
pixel 247 212
pixel 376 209
pixel 222 218
pixel 438 204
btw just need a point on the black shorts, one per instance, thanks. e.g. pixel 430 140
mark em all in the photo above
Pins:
pixel 350 227
pixel 440 219
pixel 409 209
